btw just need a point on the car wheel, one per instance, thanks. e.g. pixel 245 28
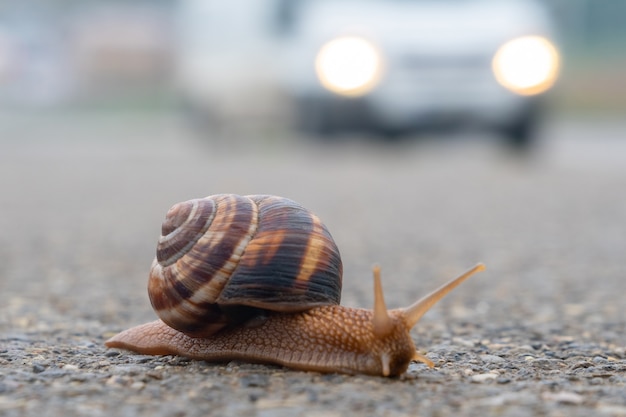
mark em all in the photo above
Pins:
pixel 520 135
pixel 312 117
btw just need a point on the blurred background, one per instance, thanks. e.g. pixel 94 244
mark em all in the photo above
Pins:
pixel 392 119
pixel 222 66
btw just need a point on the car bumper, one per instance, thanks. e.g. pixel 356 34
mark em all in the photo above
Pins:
pixel 411 96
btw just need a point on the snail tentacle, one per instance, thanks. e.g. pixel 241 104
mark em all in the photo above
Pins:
pixel 381 322
pixel 415 311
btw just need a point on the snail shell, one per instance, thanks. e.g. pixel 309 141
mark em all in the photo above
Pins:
pixel 224 259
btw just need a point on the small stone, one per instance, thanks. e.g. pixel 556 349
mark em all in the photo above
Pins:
pixel 130 370
pixel 463 342
pixel 137 385
pixel 543 363
pixel 116 380
pixel 581 364
pixel 254 380
pixel 154 374
pixel 484 377
pixel 492 359
pixel 38 368
pixel 563 397
pixel 179 361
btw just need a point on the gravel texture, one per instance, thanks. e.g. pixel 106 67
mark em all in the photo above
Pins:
pixel 541 332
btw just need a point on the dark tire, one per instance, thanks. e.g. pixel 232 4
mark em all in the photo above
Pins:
pixel 520 135
pixel 313 117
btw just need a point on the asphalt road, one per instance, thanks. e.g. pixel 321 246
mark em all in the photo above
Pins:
pixel 541 332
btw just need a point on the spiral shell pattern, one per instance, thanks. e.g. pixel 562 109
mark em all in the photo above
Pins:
pixel 223 258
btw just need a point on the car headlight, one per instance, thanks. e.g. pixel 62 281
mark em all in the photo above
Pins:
pixel 527 65
pixel 349 65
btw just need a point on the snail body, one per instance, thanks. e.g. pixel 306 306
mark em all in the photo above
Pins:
pixel 258 279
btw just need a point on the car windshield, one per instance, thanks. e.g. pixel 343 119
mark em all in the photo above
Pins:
pixel 288 12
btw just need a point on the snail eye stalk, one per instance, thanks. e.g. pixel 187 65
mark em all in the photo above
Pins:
pixel 415 311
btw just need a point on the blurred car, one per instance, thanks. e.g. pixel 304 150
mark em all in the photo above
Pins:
pixel 227 68
pixel 394 66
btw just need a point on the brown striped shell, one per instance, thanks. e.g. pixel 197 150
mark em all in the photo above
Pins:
pixel 224 259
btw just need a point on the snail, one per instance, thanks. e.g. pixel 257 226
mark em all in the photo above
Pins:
pixel 258 278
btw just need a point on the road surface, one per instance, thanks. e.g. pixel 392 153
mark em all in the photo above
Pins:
pixel 541 332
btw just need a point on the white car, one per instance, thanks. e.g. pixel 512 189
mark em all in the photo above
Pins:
pixel 398 65
pixel 227 61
